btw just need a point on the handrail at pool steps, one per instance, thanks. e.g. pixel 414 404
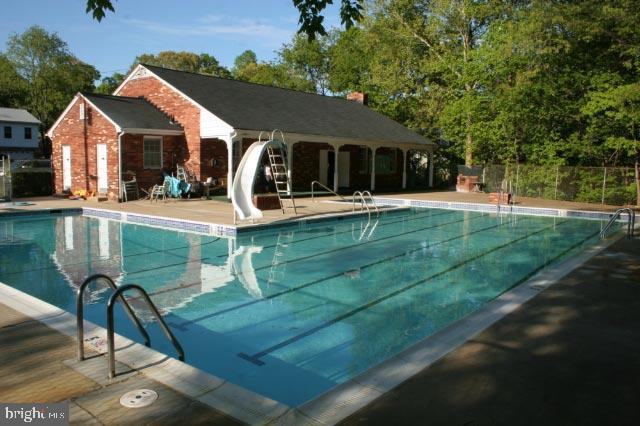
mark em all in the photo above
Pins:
pixel 80 312
pixel 315 182
pixel 631 222
pixel 364 204
pixel 110 324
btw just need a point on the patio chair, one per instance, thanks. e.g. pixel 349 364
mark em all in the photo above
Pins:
pixel 161 190
pixel 130 190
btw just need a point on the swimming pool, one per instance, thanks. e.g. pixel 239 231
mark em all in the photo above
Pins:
pixel 292 312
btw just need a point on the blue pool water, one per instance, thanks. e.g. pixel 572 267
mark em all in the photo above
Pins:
pixel 292 312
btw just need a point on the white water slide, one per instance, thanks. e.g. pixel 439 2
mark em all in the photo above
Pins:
pixel 242 192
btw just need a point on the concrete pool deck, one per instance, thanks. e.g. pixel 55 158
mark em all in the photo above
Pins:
pixel 221 212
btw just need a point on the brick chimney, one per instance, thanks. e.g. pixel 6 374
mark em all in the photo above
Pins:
pixel 358 97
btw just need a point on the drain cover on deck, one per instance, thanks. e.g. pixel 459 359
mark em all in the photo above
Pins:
pixel 138 398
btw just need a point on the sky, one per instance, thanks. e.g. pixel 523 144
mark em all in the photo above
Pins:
pixel 222 28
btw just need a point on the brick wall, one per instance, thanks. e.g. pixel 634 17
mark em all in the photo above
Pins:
pixel 173 104
pixel 81 134
pixel 214 159
pixel 173 153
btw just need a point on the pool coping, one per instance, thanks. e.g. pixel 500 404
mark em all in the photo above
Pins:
pixel 328 408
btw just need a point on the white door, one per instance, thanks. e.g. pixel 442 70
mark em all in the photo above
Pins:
pixel 102 168
pixel 344 161
pixel 66 167
pixel 324 167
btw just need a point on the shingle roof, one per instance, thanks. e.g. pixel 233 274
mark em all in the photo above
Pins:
pixel 251 106
pixel 17 116
pixel 132 113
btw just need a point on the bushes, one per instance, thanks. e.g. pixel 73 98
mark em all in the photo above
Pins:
pixel 31 184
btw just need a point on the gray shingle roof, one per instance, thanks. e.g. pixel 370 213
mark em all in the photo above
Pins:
pixel 251 106
pixel 15 115
pixel 132 113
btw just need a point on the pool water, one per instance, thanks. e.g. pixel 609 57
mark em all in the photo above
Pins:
pixel 291 312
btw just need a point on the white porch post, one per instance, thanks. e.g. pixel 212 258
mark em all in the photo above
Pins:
pixel 290 164
pixel 374 148
pixel 404 167
pixel 336 148
pixel 430 169
pixel 229 141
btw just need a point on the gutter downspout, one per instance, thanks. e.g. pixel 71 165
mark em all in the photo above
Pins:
pixel 121 195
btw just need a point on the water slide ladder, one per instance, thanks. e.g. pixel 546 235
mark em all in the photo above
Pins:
pixel 278 161
pixel 115 296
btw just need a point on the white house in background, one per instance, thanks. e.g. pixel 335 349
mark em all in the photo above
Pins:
pixel 19 134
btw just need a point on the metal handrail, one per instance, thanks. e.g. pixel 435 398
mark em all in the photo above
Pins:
pixel 373 202
pixel 110 325
pixel 631 222
pixel 363 203
pixel 80 312
pixel 315 182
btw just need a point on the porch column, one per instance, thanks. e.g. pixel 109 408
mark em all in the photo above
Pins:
pixel 229 141
pixel 374 148
pixel 430 156
pixel 336 148
pixel 290 164
pixel 404 167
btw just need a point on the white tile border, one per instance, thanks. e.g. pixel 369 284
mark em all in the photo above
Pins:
pixel 494 208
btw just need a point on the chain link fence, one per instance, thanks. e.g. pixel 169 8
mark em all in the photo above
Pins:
pixel 603 185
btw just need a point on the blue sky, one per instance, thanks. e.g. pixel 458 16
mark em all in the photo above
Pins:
pixel 223 28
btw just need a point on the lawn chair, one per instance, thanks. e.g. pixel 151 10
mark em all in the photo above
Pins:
pixel 130 190
pixel 161 190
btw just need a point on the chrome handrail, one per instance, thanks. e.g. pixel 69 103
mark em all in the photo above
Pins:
pixel 373 202
pixel 80 313
pixel 315 182
pixel 363 203
pixel 631 222
pixel 110 325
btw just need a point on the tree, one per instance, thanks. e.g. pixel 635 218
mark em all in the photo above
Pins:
pixel 52 73
pixel 184 61
pixel 243 60
pixel 309 59
pixel 13 88
pixel 311 19
pixel 111 83
pixel 247 68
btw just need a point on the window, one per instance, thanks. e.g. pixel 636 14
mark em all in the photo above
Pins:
pixel 7 132
pixel 387 164
pixel 27 132
pixel 152 152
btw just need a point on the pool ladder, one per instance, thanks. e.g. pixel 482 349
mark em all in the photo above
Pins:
pixel 631 222
pixel 115 296
pixel 364 202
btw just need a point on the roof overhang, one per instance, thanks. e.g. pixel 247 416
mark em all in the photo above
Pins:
pixel 333 140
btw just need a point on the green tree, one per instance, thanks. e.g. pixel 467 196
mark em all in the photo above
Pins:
pixel 309 59
pixel 243 60
pixel 52 73
pixel 13 88
pixel 109 84
pixel 184 61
